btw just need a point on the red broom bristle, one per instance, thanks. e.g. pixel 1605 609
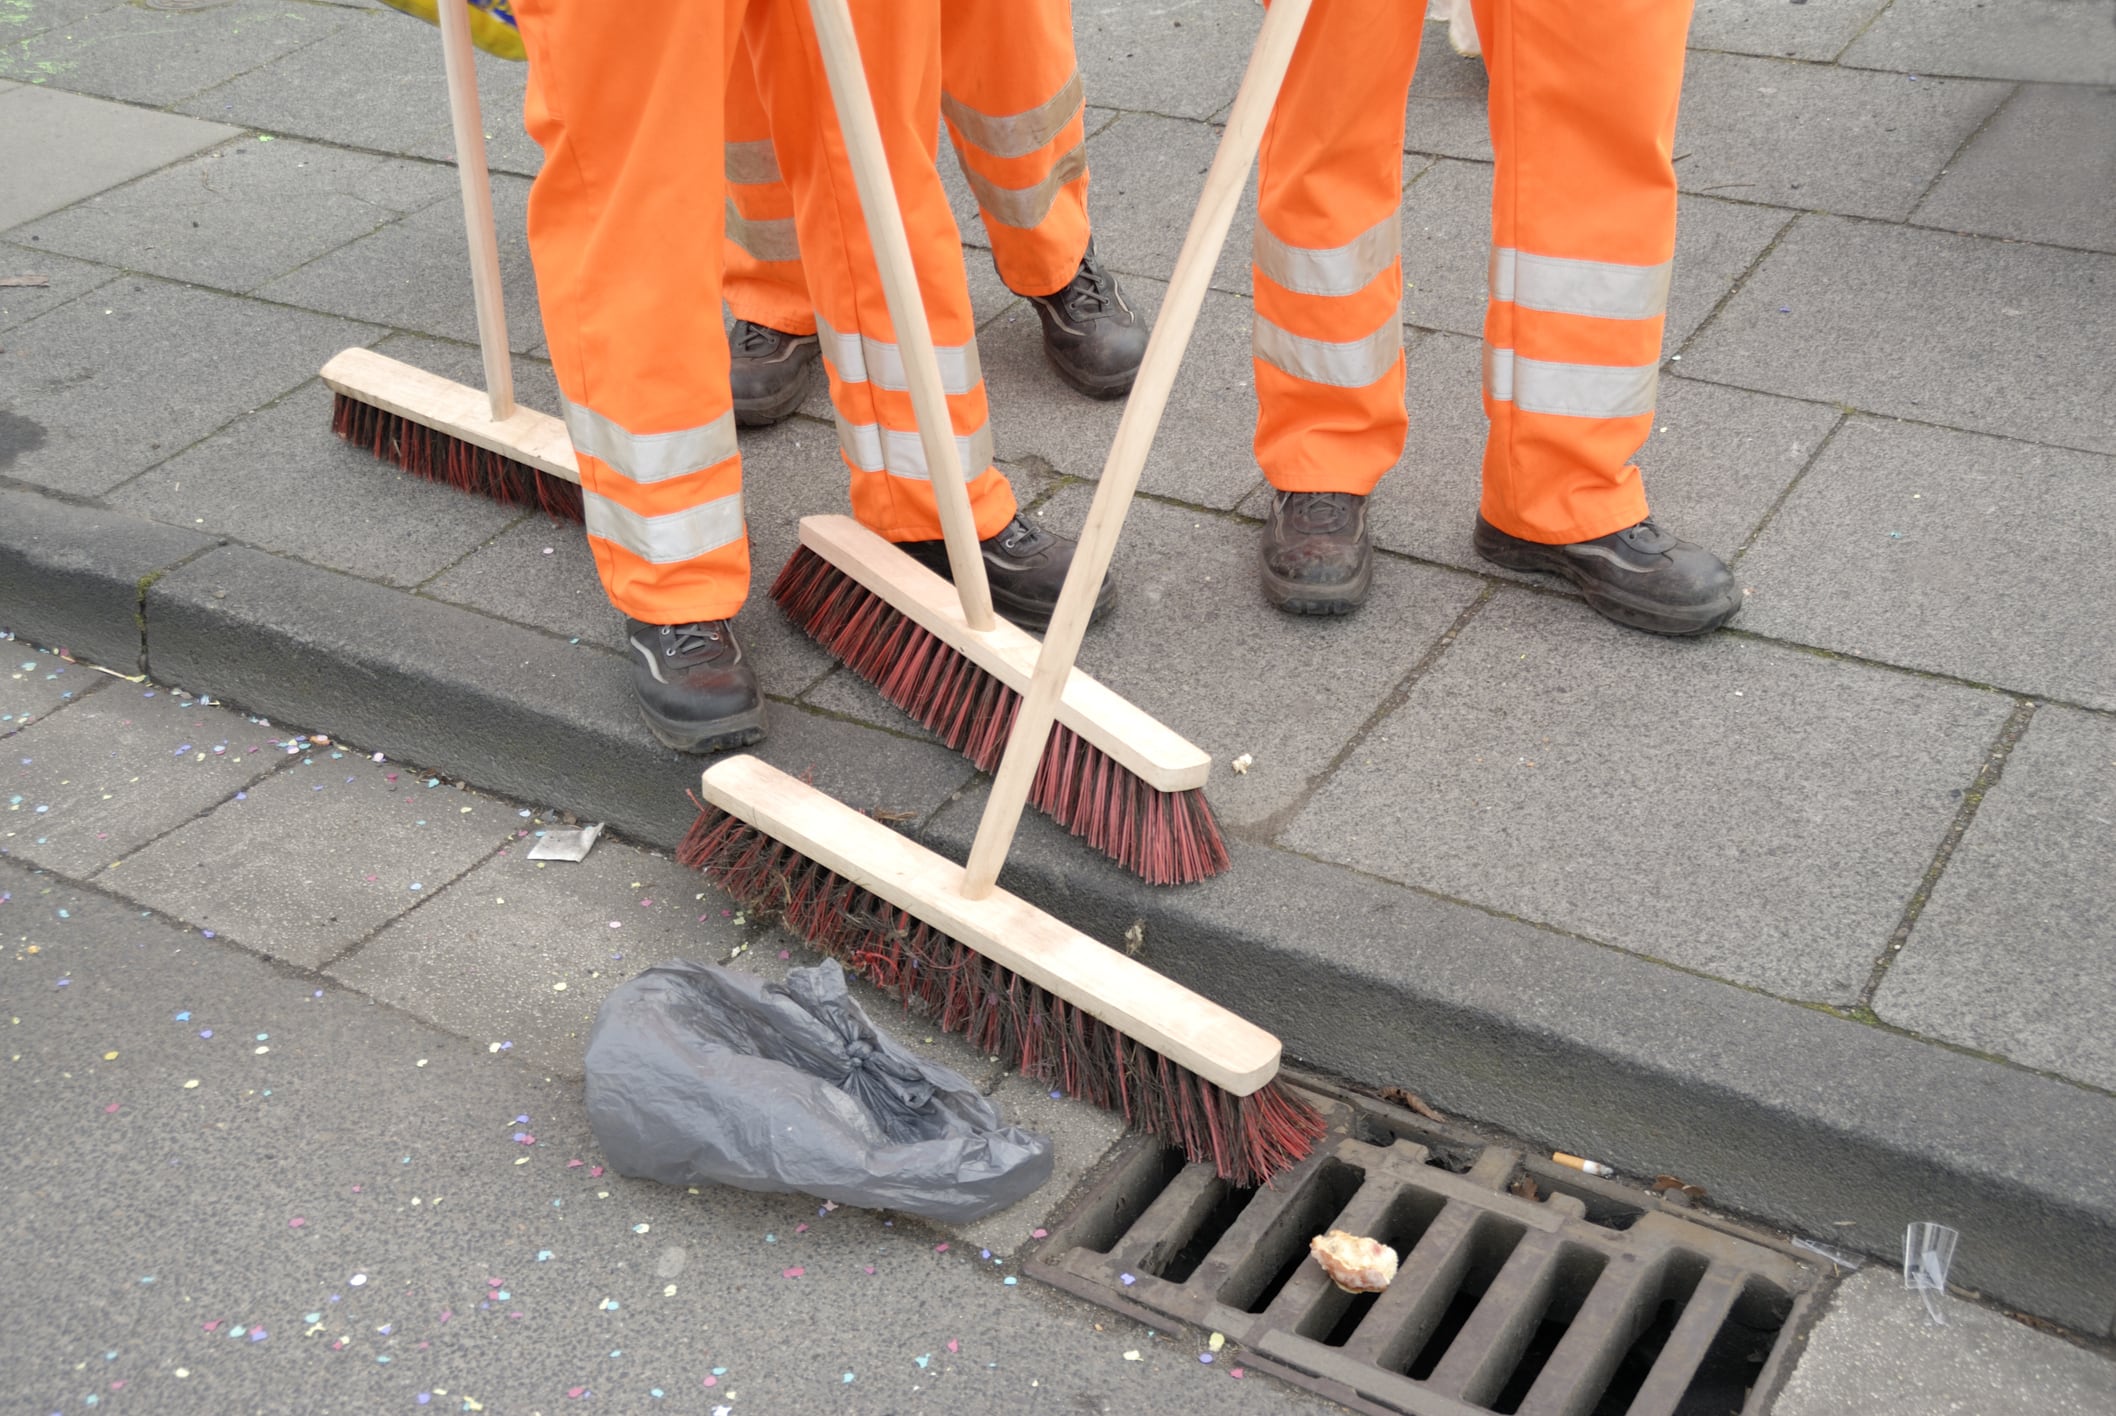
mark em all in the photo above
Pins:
pixel 441 457
pixel 1169 838
pixel 1246 1139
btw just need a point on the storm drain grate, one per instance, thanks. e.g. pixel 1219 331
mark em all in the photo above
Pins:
pixel 1589 1299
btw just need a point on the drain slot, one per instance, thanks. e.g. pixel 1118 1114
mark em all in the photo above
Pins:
pixel 1336 1316
pixel 1283 1246
pixel 1215 1212
pixel 1491 1243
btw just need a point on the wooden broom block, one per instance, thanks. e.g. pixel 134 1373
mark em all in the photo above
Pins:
pixel 1191 1031
pixel 1141 744
pixel 525 435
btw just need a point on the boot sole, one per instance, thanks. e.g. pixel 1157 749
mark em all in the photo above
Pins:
pixel 1100 386
pixel 1297 597
pixel 765 412
pixel 1630 611
pixel 735 730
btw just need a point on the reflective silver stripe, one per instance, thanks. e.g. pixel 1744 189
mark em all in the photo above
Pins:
pixel 1568 287
pixel 1570 390
pixel 651 457
pixel 1333 270
pixel 1016 134
pixel 873 448
pixel 858 359
pixel 1353 364
pixel 765 240
pixel 751 163
pixel 1024 207
pixel 679 536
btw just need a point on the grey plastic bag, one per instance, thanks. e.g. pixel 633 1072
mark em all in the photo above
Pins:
pixel 700 1074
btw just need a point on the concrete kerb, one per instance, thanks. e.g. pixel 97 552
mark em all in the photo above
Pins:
pixel 74 576
pixel 1781 1112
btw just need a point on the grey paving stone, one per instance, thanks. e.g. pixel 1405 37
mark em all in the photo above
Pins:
pixel 1447 113
pixel 1559 769
pixel 62 147
pixel 1811 29
pixel 146 368
pixel 481 958
pixel 414 274
pixel 156 57
pixel 19 19
pixel 1717 459
pixel 35 683
pixel 1978 557
pixel 118 769
pixel 317 857
pixel 1820 138
pixel 1201 454
pixel 2043 170
pixel 1447 252
pixel 278 480
pixel 2049 41
pixel 1877 1353
pixel 375 82
pixel 242 214
pixel 1184 59
pixel 72 576
pixel 2007 338
pixel 2011 953
pixel 68 278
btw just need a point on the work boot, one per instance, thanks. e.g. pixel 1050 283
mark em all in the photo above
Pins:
pixel 1025 567
pixel 696 688
pixel 1318 557
pixel 1092 337
pixel 1641 576
pixel 770 372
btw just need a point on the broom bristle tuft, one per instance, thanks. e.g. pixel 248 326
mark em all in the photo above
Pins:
pixel 442 457
pixel 1168 838
pixel 1246 1139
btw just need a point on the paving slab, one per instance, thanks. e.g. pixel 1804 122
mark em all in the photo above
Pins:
pixel 1201 454
pixel 1448 115
pixel 1715 462
pixel 316 858
pixel 62 147
pixel 1812 29
pixel 19 19
pixel 374 82
pixel 1821 138
pixel 1784 867
pixel 72 576
pixel 199 220
pixel 1183 59
pixel 2048 41
pixel 1146 174
pixel 35 683
pixel 2011 954
pixel 1971 556
pixel 414 274
pixel 156 57
pixel 120 382
pixel 104 776
pixel 279 480
pixel 1989 320
pixel 67 279
pixel 2043 170
pixel 1877 1353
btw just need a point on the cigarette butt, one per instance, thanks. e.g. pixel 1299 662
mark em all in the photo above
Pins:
pixel 1592 1167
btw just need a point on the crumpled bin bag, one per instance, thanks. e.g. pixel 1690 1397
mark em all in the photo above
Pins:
pixel 698 1074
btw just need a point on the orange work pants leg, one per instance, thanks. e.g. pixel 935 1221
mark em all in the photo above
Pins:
pixel 1016 114
pixel 877 432
pixel 624 228
pixel 1583 219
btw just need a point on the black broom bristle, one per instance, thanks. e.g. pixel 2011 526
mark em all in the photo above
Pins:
pixel 442 457
pixel 1247 1139
pixel 1167 838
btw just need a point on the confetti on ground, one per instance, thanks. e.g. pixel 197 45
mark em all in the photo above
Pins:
pixel 793 1273
pixel 1127 1279
pixel 1133 1356
pixel 639 1229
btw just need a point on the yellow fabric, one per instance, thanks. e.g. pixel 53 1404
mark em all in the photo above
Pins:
pixel 489 31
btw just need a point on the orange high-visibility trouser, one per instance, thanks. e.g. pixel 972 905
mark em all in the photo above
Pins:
pixel 625 228
pixel 1010 90
pixel 1583 227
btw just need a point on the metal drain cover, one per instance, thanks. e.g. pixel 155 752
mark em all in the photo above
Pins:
pixel 1591 1299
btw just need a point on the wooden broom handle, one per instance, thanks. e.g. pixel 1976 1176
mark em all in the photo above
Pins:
pixel 1135 435
pixel 469 125
pixel 907 310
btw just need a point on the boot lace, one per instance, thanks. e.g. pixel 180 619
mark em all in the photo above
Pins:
pixel 690 641
pixel 1322 512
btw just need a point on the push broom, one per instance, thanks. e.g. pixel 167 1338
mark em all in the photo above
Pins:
pixel 943 937
pixel 1128 785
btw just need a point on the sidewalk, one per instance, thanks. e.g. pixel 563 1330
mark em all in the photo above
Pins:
pixel 1814 913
